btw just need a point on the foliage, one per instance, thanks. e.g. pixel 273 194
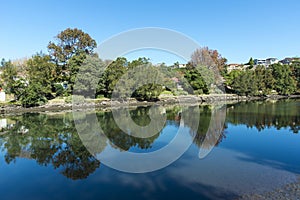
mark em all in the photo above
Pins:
pixel 90 70
pixel 41 72
pixel 244 84
pixel 111 75
pixel 211 59
pixel 195 80
pixel 148 78
pixel 262 80
pixel 284 82
pixel 69 43
pixel 251 62
pixel 59 89
pixel 33 95
pixel 295 67
pixel 41 77
pixel 10 80
pixel 69 52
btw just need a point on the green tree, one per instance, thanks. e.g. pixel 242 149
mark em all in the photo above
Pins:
pixel 149 91
pixel 211 59
pixel 87 82
pixel 11 81
pixel 41 71
pixel 251 62
pixel 195 80
pixel 284 82
pixel 296 73
pixel 111 75
pixel 69 43
pixel 33 95
pixel 229 78
pixel 69 52
pixel 245 83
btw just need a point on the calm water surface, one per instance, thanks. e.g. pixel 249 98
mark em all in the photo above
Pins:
pixel 42 156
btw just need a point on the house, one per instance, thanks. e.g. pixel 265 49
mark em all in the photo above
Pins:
pixel 271 61
pixel 260 62
pixel 178 65
pixel 287 61
pixel 266 62
pixel 182 66
pixel 233 66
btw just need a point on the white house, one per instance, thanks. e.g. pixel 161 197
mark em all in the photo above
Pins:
pixel 260 62
pixel 266 62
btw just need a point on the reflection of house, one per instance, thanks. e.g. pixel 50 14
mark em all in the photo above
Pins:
pixel 6 124
pixel 2 95
pixel 3 123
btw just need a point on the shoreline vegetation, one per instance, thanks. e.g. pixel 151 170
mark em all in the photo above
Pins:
pixel 72 68
pixel 105 103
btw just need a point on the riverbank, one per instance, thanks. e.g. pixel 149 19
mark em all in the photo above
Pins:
pixel 163 100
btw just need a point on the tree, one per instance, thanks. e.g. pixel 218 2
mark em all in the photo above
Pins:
pixel 296 73
pixel 284 82
pixel 87 82
pixel 11 81
pixel 251 62
pixel 148 91
pixel 138 62
pixel 231 77
pixel 111 75
pixel 41 71
pixel 33 95
pixel 245 83
pixel 69 43
pixel 195 80
pixel 69 52
pixel 211 59
pixel 2 63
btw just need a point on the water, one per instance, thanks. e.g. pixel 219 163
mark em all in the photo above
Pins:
pixel 43 157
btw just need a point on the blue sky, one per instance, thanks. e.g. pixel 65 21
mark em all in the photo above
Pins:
pixel 237 29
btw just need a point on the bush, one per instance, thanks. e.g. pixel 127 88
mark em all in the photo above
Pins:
pixel 100 96
pixel 33 96
pixel 59 89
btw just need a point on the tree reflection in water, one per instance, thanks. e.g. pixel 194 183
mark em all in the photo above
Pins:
pixel 49 139
pixel 266 114
pixel 52 139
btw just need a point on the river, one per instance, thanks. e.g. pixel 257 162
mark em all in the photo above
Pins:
pixel 249 148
